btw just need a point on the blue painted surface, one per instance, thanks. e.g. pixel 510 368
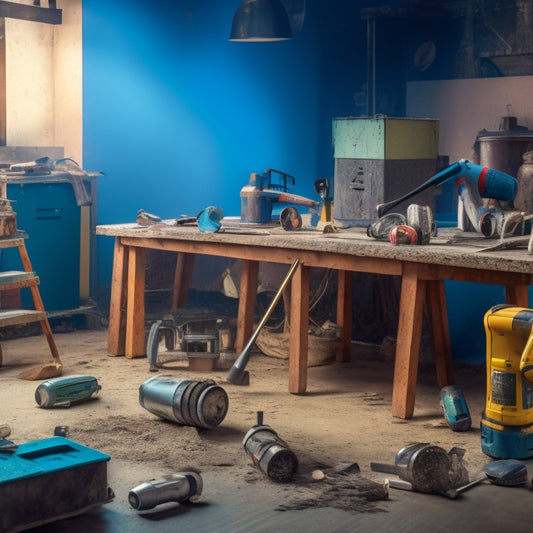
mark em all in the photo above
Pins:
pixel 177 117
pixel 467 305
pixel 49 215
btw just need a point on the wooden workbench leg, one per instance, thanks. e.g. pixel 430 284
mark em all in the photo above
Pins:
pixel 517 295
pixel 344 314
pixel 116 336
pixel 182 279
pixel 408 342
pixel 135 346
pixel 438 315
pixel 247 298
pixel 299 321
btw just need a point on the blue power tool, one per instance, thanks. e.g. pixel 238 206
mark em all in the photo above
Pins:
pixel 455 409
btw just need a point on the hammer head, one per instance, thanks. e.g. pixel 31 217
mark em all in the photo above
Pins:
pixel 237 376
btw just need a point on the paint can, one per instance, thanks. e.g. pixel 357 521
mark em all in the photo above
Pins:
pixel 176 487
pixel 270 453
pixel 186 402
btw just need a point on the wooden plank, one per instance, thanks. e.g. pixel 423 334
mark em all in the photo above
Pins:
pixel 492 277
pixel 438 315
pixel 46 15
pixel 247 299
pixel 517 295
pixel 182 279
pixel 116 339
pixel 15 317
pixel 408 342
pixel 337 261
pixel 135 346
pixel 3 90
pixel 15 279
pixel 344 314
pixel 299 320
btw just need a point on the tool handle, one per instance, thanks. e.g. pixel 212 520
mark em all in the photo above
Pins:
pixel 437 179
pixel 399 484
pixel 243 358
pixel 381 467
pixel 284 175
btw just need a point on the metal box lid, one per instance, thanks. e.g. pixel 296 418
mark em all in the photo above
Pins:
pixel 44 456
pixel 385 138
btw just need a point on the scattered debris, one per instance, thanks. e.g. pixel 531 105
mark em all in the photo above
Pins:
pixel 342 487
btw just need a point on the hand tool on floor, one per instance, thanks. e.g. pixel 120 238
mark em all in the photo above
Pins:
pixel 450 493
pixel 258 195
pixel 507 420
pixel 63 392
pixel 426 467
pixel 177 487
pixel 455 409
pixel 269 452
pixel 237 374
pixel 488 182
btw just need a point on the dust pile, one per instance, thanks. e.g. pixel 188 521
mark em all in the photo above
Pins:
pixel 345 491
pixel 149 439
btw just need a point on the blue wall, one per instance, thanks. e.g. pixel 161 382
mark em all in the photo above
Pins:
pixel 177 116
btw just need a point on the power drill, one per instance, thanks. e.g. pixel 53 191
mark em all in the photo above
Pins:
pixel 488 182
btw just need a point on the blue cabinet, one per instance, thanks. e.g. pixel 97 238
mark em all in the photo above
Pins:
pixel 49 214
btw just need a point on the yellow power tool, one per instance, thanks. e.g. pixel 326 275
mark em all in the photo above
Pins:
pixel 507 421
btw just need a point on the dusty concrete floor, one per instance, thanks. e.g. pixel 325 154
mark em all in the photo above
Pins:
pixel 345 416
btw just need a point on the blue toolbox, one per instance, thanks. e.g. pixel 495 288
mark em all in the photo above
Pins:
pixel 47 480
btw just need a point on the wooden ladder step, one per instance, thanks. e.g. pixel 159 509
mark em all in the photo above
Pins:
pixel 13 279
pixel 14 317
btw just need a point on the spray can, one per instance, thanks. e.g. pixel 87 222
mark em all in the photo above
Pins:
pixel 270 453
pixel 177 487
pixel 63 391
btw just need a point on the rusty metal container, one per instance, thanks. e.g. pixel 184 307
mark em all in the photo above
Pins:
pixel 503 150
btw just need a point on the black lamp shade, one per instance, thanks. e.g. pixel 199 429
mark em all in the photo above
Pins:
pixel 261 20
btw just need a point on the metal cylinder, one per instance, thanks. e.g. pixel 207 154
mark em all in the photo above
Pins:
pixel 270 453
pixel 186 402
pixel 524 197
pixel 64 391
pixel 425 466
pixel 178 487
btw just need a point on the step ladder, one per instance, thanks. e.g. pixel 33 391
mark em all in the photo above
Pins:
pixel 27 278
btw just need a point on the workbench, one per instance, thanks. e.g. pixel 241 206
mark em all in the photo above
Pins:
pixel 450 256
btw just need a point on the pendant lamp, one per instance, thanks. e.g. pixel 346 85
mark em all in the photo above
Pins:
pixel 261 20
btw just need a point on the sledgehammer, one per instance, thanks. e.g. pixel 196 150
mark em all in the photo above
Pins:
pixel 237 375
